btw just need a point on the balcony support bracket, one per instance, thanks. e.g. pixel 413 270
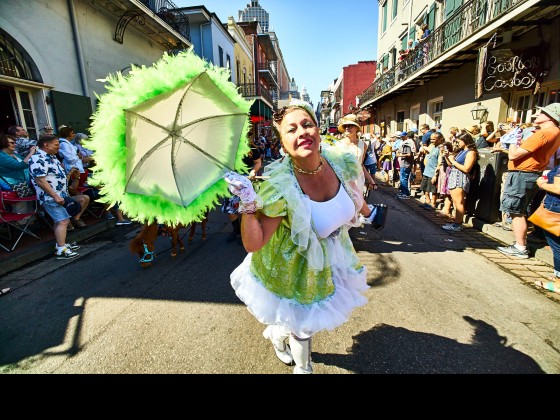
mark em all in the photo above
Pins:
pixel 124 21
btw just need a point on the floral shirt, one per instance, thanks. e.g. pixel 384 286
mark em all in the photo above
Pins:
pixel 23 144
pixel 42 164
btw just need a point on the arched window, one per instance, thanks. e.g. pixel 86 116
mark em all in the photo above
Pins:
pixel 14 61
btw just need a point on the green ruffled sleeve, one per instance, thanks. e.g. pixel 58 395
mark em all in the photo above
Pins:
pixel 345 161
pixel 274 204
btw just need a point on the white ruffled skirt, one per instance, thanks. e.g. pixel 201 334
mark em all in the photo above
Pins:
pixel 305 320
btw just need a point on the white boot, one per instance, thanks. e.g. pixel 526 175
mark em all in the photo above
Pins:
pixel 278 335
pixel 301 352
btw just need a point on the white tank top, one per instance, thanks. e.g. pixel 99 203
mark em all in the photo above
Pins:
pixel 328 216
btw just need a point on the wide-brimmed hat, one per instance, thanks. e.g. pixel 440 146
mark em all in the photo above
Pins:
pixel 552 110
pixel 350 119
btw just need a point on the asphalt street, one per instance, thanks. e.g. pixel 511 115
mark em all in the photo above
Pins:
pixel 436 305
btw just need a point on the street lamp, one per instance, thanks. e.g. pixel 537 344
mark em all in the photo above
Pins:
pixel 479 112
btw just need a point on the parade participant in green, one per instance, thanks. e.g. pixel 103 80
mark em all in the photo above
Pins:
pixel 302 274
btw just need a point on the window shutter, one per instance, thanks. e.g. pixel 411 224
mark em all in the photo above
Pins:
pixel 72 110
pixel 404 43
pixel 432 17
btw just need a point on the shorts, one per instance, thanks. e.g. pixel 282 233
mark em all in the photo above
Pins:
pixel 56 211
pixel 426 185
pixel 372 169
pixel 387 165
pixel 519 190
pixel 458 179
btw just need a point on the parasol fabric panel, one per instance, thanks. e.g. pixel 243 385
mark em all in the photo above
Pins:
pixel 164 155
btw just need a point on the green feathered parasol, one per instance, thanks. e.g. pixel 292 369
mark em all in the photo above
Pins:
pixel 164 136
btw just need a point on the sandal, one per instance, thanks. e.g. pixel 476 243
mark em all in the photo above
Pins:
pixel 78 223
pixel 549 285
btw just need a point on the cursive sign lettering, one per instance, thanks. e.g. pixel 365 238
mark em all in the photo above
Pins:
pixel 506 70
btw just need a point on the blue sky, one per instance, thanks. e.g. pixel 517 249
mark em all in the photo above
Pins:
pixel 317 37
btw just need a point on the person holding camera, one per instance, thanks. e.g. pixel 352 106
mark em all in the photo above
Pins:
pixel 51 184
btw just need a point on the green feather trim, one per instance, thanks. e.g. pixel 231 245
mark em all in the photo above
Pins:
pixel 108 136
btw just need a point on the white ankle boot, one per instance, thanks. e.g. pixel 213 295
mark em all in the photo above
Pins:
pixel 278 335
pixel 301 353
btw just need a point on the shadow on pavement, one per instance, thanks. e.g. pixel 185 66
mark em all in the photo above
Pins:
pixel 395 350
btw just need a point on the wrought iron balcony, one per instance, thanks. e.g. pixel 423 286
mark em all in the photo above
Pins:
pixel 166 10
pixel 159 20
pixel 267 71
pixel 254 90
pixel 466 21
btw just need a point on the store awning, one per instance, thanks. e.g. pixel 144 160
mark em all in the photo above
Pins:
pixel 260 109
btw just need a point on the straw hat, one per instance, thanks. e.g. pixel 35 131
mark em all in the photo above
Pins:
pixel 552 110
pixel 350 119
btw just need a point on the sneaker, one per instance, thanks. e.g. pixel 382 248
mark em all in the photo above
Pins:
pixel 109 216
pixel 512 251
pixel 403 197
pixel 72 247
pixel 123 222
pixel 65 254
pixel 78 224
pixel 452 227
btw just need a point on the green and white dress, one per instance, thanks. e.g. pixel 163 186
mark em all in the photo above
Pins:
pixel 299 280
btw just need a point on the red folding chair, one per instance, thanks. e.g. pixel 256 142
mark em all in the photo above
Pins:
pixel 10 219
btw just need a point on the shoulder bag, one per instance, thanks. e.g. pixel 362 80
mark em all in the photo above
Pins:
pixel 22 189
pixel 546 219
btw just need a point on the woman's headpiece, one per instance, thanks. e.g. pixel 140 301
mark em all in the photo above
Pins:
pixel 294 103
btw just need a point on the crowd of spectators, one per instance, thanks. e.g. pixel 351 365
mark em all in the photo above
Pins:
pixel 55 169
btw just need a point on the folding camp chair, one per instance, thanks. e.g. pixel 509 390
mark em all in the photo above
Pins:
pixel 10 220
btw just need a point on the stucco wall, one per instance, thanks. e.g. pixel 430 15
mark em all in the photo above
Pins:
pixel 44 30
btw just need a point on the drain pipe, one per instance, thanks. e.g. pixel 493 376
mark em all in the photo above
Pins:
pixel 78 47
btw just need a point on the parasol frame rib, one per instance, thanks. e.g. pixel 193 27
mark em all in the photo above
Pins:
pixel 221 165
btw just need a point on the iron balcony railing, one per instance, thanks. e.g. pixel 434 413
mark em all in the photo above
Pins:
pixel 472 16
pixel 253 90
pixel 166 10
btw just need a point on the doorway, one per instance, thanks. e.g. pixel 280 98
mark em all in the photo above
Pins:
pixel 7 113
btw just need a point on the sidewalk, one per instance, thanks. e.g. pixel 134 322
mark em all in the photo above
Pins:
pixel 30 250
pixel 483 238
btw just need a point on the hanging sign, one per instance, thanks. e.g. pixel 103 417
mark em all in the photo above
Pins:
pixel 506 69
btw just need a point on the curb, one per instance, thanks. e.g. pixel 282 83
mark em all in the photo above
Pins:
pixel 45 248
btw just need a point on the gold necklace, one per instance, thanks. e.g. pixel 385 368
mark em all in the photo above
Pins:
pixel 313 172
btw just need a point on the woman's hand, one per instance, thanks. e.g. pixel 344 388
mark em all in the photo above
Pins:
pixel 242 187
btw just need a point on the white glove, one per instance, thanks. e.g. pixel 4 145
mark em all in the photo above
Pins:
pixel 368 220
pixel 242 187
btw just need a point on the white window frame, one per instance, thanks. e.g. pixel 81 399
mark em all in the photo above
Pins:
pixel 431 115
pixel 410 122
pixel 20 109
pixel 545 89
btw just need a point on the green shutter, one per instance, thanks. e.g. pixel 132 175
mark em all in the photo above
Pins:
pixel 72 110
pixel 384 23
pixel 451 6
pixel 412 32
pixel 404 43
pixel 432 17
